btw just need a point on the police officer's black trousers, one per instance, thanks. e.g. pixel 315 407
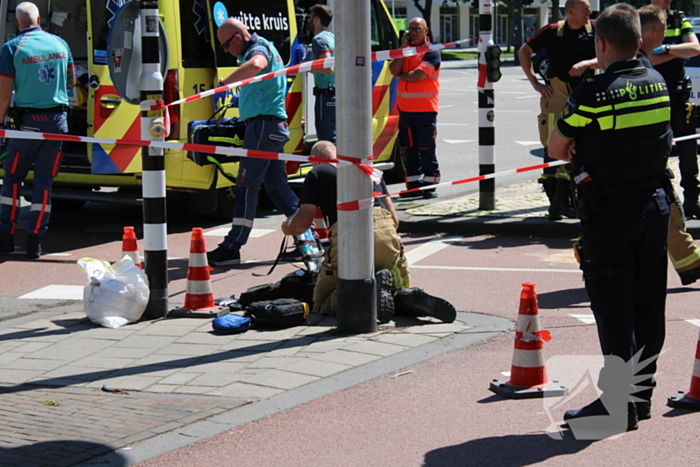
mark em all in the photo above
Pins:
pixel 624 264
pixel 687 150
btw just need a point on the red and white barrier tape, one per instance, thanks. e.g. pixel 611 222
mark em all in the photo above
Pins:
pixel 685 138
pixel 375 174
pixel 319 64
pixel 369 202
pixel 483 177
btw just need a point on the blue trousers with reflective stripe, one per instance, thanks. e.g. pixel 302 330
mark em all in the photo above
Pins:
pixel 417 131
pixel 44 157
pixel 324 113
pixel 261 135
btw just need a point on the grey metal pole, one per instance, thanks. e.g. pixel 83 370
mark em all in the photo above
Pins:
pixel 487 134
pixel 517 28
pixel 357 306
pixel 153 165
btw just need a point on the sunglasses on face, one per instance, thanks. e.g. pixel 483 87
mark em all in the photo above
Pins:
pixel 227 44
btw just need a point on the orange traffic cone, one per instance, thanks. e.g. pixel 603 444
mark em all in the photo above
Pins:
pixel 321 227
pixel 199 299
pixel 129 246
pixel 528 374
pixel 691 399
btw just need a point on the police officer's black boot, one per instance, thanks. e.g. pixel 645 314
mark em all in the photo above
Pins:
pixel 562 199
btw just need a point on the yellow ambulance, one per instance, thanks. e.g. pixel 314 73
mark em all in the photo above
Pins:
pixel 103 172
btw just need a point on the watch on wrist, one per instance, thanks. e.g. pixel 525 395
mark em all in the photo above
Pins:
pixel 667 48
pixel 221 82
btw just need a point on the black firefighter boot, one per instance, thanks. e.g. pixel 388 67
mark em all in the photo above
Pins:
pixel 562 199
pixel 549 185
pixel 414 302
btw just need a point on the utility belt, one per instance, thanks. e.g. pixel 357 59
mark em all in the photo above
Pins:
pixel 590 196
pixel 273 118
pixel 330 91
pixel 683 86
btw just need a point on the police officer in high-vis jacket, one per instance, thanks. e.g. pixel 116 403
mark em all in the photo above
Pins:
pixel 570 50
pixel 615 129
pixel 680 43
pixel 38 66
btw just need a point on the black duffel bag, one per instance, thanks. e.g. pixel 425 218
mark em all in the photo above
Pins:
pixel 298 284
pixel 280 313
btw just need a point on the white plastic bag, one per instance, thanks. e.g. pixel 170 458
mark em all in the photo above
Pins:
pixel 115 294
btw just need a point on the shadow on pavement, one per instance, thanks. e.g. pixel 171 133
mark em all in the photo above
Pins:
pixel 63 452
pixel 567 298
pixel 228 355
pixel 511 450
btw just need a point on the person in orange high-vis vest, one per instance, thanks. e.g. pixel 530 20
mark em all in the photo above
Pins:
pixel 417 99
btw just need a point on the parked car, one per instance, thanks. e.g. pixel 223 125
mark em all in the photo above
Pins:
pixel 540 63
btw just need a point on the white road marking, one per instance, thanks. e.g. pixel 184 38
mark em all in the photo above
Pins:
pixel 445 106
pixel 527 143
pixel 429 248
pixel 453 124
pixel 588 319
pixel 467 268
pixel 458 141
pixel 693 321
pixel 57 292
pixel 506 373
pixel 223 231
pixel 529 97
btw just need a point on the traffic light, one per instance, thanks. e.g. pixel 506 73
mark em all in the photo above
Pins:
pixel 493 63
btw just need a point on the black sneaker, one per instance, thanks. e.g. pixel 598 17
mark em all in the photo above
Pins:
pixel 688 277
pixel 33 244
pixel 597 408
pixel 7 243
pixel 222 256
pixel 429 194
pixel 414 302
pixel 385 300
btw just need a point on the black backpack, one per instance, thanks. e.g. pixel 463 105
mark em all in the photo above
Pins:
pixel 280 313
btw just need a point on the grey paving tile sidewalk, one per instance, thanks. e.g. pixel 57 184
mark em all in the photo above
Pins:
pixel 166 374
